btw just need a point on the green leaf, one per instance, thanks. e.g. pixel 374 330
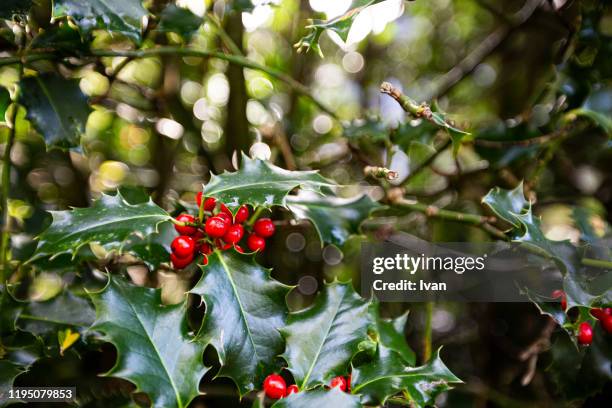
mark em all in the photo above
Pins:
pixel 179 20
pixel 109 221
pixel 154 349
pixel 391 335
pixel 10 8
pixel 261 183
pixel 322 339
pixel 18 351
pixel 457 135
pixel 56 107
pixel 245 307
pixel 62 38
pixel 121 16
pixel 153 249
pixel 61 311
pixel 5 101
pixel 319 397
pixel 600 119
pixel 341 25
pixel 334 218
pixel 507 204
pixel 388 375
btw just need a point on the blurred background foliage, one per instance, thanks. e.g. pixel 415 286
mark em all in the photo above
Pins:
pixel 529 79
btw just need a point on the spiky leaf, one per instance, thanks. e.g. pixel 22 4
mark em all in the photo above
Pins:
pixel 334 218
pixel 507 204
pixel 245 307
pixel 261 183
pixel 154 349
pixel 342 319
pixel 319 398
pixel 109 221
pixel 391 335
pixel 121 16
pixel 56 107
pixel 388 374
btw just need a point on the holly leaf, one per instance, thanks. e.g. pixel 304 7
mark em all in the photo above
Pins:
pixel 154 349
pixel 10 8
pixel 457 135
pixel 56 107
pixel 319 397
pixel 62 38
pixel 341 25
pixel 153 249
pixel 109 221
pixel 18 351
pixel 391 335
pixel 334 218
pixel 179 20
pixel 388 374
pixel 62 311
pixel 260 183
pixel 245 307
pixel 598 118
pixel 507 204
pixel 120 16
pixel 342 319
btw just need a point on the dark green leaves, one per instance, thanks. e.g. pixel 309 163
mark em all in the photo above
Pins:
pixel 334 218
pixel 154 349
pixel 261 183
pixel 507 204
pixel 244 310
pixel 391 335
pixel 388 374
pixel 319 398
pixel 322 339
pixel 56 107
pixel 109 222
pixel 179 20
pixel 456 135
pixel 122 16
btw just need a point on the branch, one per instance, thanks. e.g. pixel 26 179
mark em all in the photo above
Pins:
pixel 186 52
pixel 484 49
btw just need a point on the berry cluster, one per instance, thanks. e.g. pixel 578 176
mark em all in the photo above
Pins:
pixel 217 228
pixel 585 330
pixel 275 387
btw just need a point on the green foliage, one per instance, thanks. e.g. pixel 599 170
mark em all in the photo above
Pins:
pixel 341 25
pixel 319 398
pixel 120 16
pixel 179 20
pixel 391 335
pixel 334 218
pixel 261 184
pixel 342 319
pixel 388 374
pixel 56 107
pixel 245 307
pixel 154 348
pixel 110 221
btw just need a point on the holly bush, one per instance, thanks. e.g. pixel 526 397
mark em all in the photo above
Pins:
pixel 186 186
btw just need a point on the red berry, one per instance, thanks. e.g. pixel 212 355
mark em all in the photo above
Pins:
pixel 209 204
pixel 599 313
pixel 226 210
pixel 560 294
pixel 205 260
pixel 225 217
pixel 292 389
pixel 185 229
pixel 198 199
pixel 215 227
pixel 180 263
pixel 234 234
pixel 274 386
pixel 242 214
pixel 585 333
pixel 205 248
pixel 606 323
pixel 264 227
pixel 256 243
pixel 339 382
pixel 182 246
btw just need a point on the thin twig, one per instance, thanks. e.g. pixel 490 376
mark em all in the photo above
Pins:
pixel 531 353
pixel 484 49
pixel 187 52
